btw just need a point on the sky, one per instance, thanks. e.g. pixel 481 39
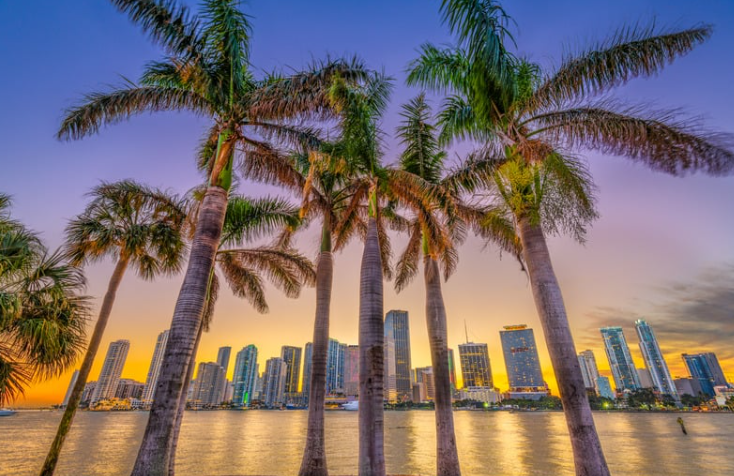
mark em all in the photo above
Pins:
pixel 661 249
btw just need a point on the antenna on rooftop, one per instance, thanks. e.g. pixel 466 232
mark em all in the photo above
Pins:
pixel 466 332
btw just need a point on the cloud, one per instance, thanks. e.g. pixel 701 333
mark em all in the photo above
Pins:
pixel 692 316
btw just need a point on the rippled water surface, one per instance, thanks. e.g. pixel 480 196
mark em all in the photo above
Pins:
pixel 270 442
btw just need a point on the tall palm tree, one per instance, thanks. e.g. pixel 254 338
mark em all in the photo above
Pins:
pixel 435 236
pixel 140 228
pixel 42 315
pixel 207 72
pixel 244 268
pixel 528 122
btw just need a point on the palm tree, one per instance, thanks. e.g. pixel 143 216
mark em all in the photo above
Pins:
pixel 42 315
pixel 207 73
pixel 435 237
pixel 529 122
pixel 244 268
pixel 140 228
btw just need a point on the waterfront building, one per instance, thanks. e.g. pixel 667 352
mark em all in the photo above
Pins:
pixel 390 390
pixel 604 387
pixel 589 370
pixel 705 366
pixel 424 377
pixel 209 384
pixel 475 366
pixel 70 388
pixel 397 331
pixel 480 394
pixel 688 386
pixel 645 378
pixel 521 359
pixel 335 367
pixel 88 392
pixel 109 376
pixel 129 389
pixel 245 376
pixel 151 380
pixel 223 358
pixel 351 371
pixel 274 381
pixel 654 360
pixel 620 359
pixel 419 392
pixel 452 371
pixel 292 357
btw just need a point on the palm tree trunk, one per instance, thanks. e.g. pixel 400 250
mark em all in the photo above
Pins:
pixel 447 457
pixel 182 406
pixel 49 466
pixel 587 452
pixel 154 454
pixel 314 454
pixel 371 358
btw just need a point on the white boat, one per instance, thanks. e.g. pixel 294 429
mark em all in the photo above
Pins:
pixel 6 412
pixel 351 406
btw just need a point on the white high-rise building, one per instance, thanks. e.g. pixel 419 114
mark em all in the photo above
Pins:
pixel 654 360
pixel 276 373
pixel 589 370
pixel 109 377
pixel 155 367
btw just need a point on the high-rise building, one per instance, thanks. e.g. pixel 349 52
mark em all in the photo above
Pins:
pixel 645 378
pixel 276 372
pixel 70 388
pixel 475 367
pixel 223 358
pixel 155 367
pixel 335 366
pixel 688 386
pixel 604 388
pixel 109 377
pixel 307 356
pixel 351 371
pixel 397 331
pixel 129 389
pixel 390 389
pixel 620 359
pixel 521 359
pixel 705 366
pixel 209 384
pixel 424 377
pixel 88 392
pixel 452 371
pixel 654 360
pixel 589 370
pixel 292 357
pixel 245 376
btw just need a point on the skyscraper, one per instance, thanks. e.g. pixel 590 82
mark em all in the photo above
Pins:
pixel 223 358
pixel 589 370
pixel 70 389
pixel 390 389
pixel 245 376
pixel 521 359
pixel 397 331
pixel 654 360
pixel 424 377
pixel 452 370
pixel 292 357
pixel 475 367
pixel 276 371
pixel 604 388
pixel 155 367
pixel 335 366
pixel 351 371
pixel 705 366
pixel 209 384
pixel 307 355
pixel 620 359
pixel 109 377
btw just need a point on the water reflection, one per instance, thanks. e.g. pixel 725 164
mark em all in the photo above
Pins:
pixel 271 442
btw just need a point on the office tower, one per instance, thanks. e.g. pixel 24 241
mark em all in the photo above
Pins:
pixel 397 332
pixel 276 372
pixel 257 393
pixel 688 386
pixel 155 367
pixel 645 379
pixel 390 389
pixel 223 358
pixel 589 370
pixel 424 377
pixel 245 376
pixel 306 387
pixel 70 389
pixel 705 366
pixel 604 387
pixel 292 357
pixel 351 371
pixel 88 392
pixel 335 366
pixel 620 359
pixel 129 389
pixel 475 367
pixel 209 384
pixel 111 370
pixel 452 371
pixel 521 359
pixel 654 360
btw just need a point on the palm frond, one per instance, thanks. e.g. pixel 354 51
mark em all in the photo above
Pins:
pixel 421 154
pixel 244 282
pixel 248 219
pixel 440 69
pixel 407 266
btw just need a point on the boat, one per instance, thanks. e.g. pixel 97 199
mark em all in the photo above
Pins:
pixel 7 412
pixel 351 406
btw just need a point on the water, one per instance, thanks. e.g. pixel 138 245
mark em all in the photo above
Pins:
pixel 270 442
